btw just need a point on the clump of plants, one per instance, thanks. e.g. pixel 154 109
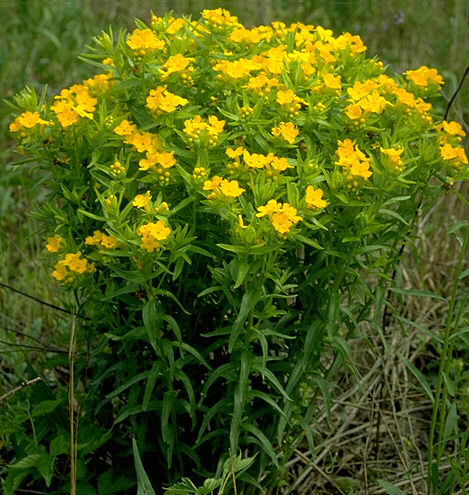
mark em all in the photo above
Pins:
pixel 226 204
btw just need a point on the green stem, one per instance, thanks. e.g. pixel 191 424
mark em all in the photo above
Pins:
pixel 441 386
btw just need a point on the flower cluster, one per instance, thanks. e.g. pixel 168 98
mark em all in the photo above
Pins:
pixel 144 41
pixel 203 131
pixel 281 215
pixel 223 122
pixel 151 233
pixel 72 265
pixel 27 120
pixel 222 187
pixel 424 76
pixel 101 240
pixel 354 161
pixel 162 101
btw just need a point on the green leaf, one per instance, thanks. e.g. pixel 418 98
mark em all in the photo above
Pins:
pixel 150 322
pixel 248 302
pixel 263 442
pixel 243 269
pixel 45 467
pixel 393 214
pixel 463 274
pixel 449 385
pixel 420 377
pixel 32 460
pixel 143 483
pixel 59 445
pixel 451 424
pixel 150 385
pixel 45 407
pixel 416 292
pixel 309 242
pixel 183 487
pixel 167 429
pixel 239 399
pixel 390 489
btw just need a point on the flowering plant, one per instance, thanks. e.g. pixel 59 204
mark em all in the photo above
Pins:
pixel 220 199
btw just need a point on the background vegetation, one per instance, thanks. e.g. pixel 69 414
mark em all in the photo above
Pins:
pixel 385 416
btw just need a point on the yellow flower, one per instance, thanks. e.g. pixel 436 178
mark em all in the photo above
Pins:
pixel 125 128
pixel 456 154
pixel 314 199
pixel 109 242
pixel 160 99
pixel 117 168
pixel 453 128
pixel 231 189
pixel 27 120
pixel 282 216
pixel 286 131
pixel 176 63
pixel 152 233
pixel 331 81
pixel 164 159
pixel 286 97
pixel 352 159
pixel 424 76
pixel 219 17
pixel 261 83
pixel 142 200
pixel 235 153
pixel 145 41
pixel 269 209
pixel 255 160
pixel 213 185
pixel 361 169
pixel 279 164
pixel 75 264
pixel 353 112
pixel 394 156
pixel 95 239
pixel 73 103
pixel 54 243
pixel 222 187
pixel 373 103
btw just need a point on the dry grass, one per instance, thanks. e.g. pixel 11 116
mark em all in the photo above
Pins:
pixel 378 427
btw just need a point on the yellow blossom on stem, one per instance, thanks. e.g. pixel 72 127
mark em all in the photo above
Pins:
pixel 142 200
pixel 222 188
pixel 286 131
pixel 144 41
pixel 313 198
pixel 353 112
pixel 219 17
pixel 352 159
pixel 151 233
pixel 331 81
pixel 161 100
pixel 117 168
pixel 455 154
pixel 125 128
pixel 75 264
pixel 231 189
pixel 424 76
pixel 27 120
pixel 54 243
pixel 453 128
pixel 394 156
pixel 101 240
pixel 281 215
pixel 176 63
